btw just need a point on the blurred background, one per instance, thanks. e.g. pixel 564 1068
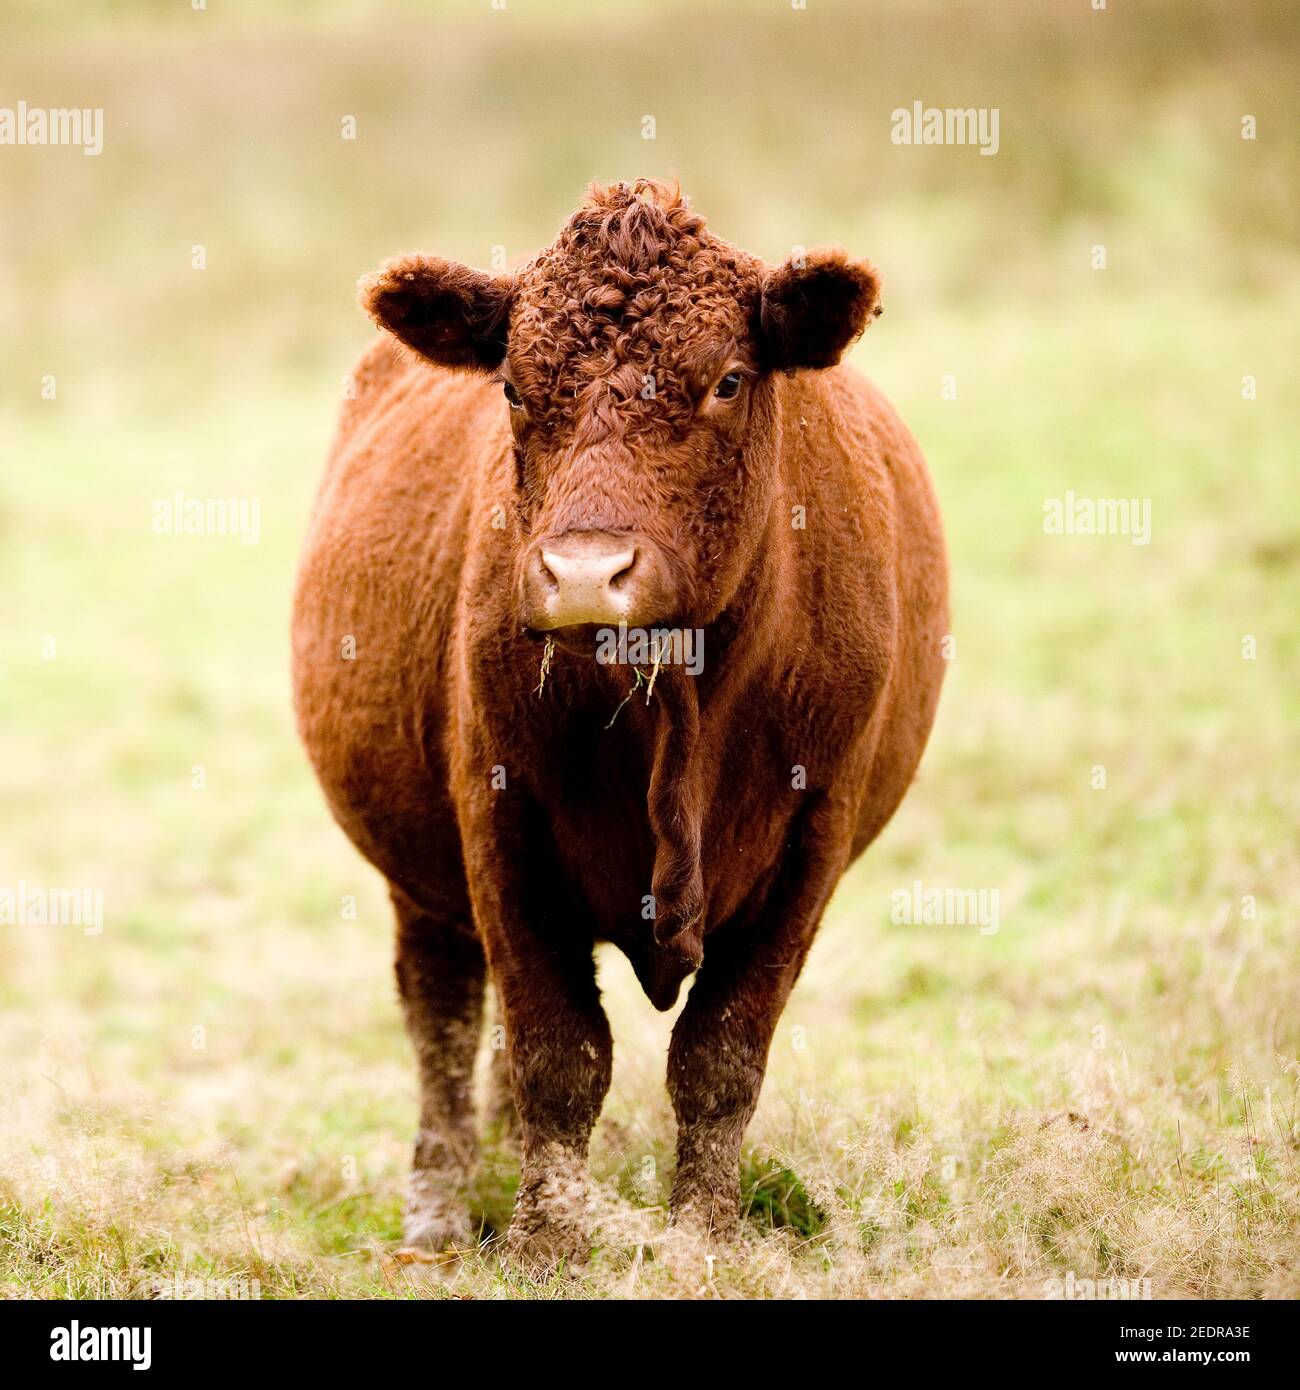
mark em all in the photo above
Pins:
pixel 218 1083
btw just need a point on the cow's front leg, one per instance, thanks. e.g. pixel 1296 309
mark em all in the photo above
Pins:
pixel 720 1043
pixel 716 1064
pixel 560 1060
pixel 540 947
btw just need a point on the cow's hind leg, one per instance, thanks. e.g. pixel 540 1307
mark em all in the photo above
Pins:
pixel 440 975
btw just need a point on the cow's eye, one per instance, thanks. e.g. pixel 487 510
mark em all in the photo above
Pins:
pixel 513 396
pixel 728 386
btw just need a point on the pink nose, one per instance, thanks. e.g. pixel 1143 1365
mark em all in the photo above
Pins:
pixel 583 577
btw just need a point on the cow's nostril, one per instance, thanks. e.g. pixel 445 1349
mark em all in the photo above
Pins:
pixel 549 578
pixel 617 579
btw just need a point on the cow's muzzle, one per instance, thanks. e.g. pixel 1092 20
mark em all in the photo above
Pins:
pixel 592 577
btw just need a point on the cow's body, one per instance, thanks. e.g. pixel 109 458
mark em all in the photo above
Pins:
pixel 530 802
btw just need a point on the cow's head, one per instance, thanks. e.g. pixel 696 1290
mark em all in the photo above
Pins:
pixel 636 357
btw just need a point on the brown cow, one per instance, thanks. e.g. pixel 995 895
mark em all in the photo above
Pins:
pixel 643 428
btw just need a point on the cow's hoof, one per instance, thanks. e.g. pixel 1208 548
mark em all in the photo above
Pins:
pixel 551 1226
pixel 547 1250
pixel 434 1220
pixel 436 1231
pixel 711 1219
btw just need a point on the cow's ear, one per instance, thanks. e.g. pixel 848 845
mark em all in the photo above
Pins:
pixel 813 307
pixel 454 316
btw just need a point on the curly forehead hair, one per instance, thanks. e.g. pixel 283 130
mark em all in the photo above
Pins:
pixel 633 287
pixel 629 316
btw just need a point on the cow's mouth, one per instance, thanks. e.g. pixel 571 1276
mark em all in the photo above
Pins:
pixel 582 639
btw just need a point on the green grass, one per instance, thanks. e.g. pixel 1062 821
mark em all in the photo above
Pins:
pixel 1107 1085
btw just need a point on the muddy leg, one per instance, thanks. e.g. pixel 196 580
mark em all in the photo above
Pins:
pixel 540 945
pixel 560 1060
pixel 719 1048
pixel 440 973
pixel 715 1071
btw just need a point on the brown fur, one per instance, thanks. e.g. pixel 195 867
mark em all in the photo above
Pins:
pixel 525 818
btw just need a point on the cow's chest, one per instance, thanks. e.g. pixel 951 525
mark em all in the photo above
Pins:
pixel 598 822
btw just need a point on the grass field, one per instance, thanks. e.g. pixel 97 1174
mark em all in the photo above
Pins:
pixel 217 1086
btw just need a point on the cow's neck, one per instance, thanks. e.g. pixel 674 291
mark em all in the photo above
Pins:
pixel 685 767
